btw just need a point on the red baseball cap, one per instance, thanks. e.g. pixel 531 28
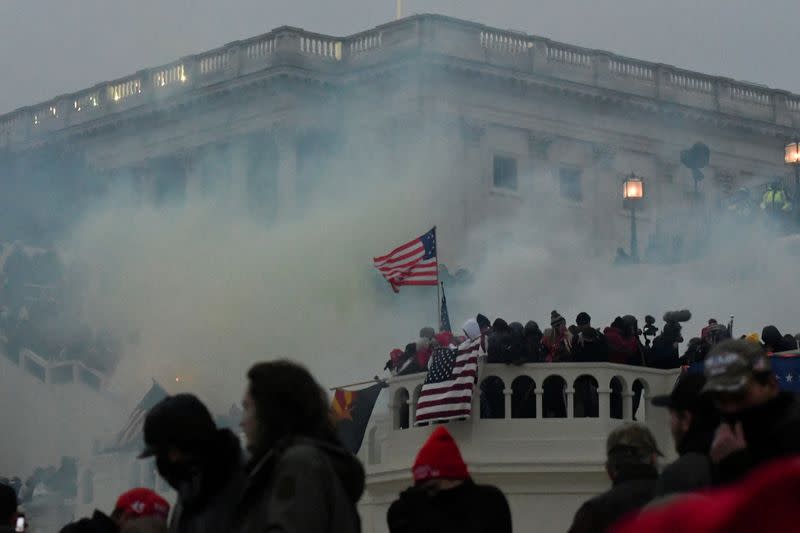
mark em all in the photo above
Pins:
pixel 142 502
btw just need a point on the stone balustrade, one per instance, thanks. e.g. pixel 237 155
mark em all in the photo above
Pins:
pixel 616 391
pixel 59 372
pixel 475 45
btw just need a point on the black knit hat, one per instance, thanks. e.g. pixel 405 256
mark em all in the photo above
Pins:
pixel 583 319
pixel 556 319
pixel 483 321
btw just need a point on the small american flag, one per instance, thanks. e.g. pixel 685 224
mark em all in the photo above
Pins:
pixel 447 391
pixel 414 263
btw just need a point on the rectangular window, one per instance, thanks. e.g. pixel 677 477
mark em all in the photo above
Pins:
pixel 570 184
pixel 505 173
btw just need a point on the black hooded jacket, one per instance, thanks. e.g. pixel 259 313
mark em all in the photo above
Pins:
pixel 633 489
pixel 467 508
pixel 205 503
pixel 771 430
pixel 302 486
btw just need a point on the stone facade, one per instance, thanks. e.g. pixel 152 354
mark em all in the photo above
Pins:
pixel 521 117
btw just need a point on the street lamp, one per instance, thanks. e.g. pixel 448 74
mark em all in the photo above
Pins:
pixel 633 193
pixel 792 157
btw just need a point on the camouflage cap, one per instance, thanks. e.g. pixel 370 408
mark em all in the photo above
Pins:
pixel 632 438
pixel 730 371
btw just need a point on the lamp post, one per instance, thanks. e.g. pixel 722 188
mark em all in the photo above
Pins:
pixel 792 157
pixel 633 193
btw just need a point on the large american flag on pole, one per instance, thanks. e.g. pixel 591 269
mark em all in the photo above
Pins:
pixel 447 391
pixel 414 263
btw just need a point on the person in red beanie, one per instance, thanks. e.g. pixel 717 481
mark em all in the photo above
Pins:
pixel 444 498
pixel 140 503
pixel 765 500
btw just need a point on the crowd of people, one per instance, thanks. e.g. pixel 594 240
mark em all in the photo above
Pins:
pixel 623 342
pixel 297 477
pixel 38 299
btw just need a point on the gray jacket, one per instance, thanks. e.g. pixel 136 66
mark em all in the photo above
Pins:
pixel 302 486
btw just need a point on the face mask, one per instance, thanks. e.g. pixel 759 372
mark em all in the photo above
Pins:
pixel 176 474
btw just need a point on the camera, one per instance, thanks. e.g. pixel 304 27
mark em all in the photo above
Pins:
pixel 649 329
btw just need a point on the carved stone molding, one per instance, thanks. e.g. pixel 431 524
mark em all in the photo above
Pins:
pixel 539 144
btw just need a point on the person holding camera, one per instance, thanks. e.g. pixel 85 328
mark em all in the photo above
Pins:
pixel 759 422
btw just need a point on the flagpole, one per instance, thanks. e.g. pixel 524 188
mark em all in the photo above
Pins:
pixel 373 380
pixel 438 283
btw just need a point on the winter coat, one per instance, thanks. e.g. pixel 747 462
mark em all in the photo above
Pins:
pixel 498 346
pixel 558 346
pixel 205 504
pixel 589 346
pixel 631 491
pixel 621 349
pixel 467 508
pixel 516 347
pixel 771 430
pixel 302 486
pixel 664 354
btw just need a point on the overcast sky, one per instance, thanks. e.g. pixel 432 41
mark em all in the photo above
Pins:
pixel 50 47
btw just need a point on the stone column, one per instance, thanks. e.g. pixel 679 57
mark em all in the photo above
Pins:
pixel 194 179
pixel 412 412
pixel 508 393
pixel 570 395
pixel 286 143
pixel 604 402
pixel 539 406
pixel 627 405
pixel 239 165
pixel 602 182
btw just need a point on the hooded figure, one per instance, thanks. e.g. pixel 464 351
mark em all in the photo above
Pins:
pixel 471 329
pixel 534 351
pixel 774 341
pixel 499 342
pixel 517 344
pixel 623 347
pixel 444 498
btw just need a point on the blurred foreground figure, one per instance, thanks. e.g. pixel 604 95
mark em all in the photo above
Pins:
pixel 759 421
pixel 444 498
pixel 693 421
pixel 300 479
pixel 767 500
pixel 631 453
pixel 142 506
pixel 8 508
pixel 202 463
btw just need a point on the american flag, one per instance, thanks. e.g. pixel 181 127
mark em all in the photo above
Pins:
pixel 414 263
pixel 447 391
pixel 131 435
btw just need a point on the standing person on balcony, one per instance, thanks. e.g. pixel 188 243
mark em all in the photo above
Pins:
pixel 759 421
pixel 300 478
pixel 588 344
pixel 693 421
pixel 557 339
pixel 444 498
pixel 631 454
